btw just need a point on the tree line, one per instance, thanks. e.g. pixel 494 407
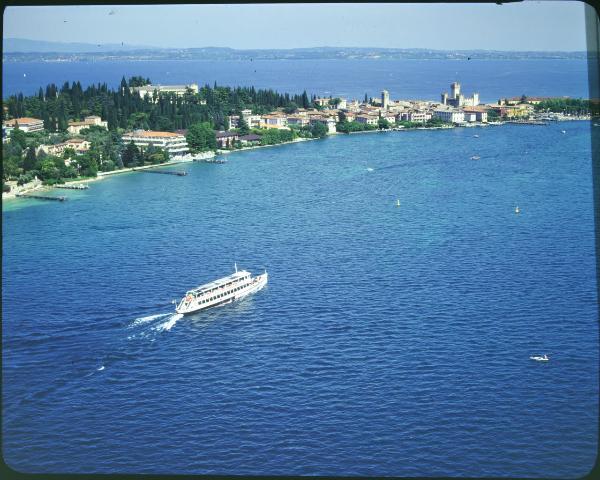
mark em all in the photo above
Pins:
pixel 126 109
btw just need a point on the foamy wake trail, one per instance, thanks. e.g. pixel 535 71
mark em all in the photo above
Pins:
pixel 171 321
pixel 149 318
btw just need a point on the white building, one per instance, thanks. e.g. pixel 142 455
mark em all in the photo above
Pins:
pixel 173 143
pixel 327 121
pixel 449 115
pixel 176 89
pixel 274 121
pixel 27 124
pixel 415 116
pixel 367 119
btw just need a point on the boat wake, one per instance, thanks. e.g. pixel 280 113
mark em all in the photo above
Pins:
pixel 167 325
pixel 149 318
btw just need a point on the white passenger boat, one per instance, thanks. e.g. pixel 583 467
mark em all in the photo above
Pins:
pixel 223 290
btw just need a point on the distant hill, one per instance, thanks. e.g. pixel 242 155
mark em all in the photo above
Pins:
pixel 18 49
pixel 23 45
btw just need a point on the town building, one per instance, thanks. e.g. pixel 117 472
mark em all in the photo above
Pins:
pixel 274 121
pixel 26 124
pixel 367 119
pixel 322 101
pixel 451 115
pixel 523 99
pixel 250 139
pixel 75 128
pixel 353 106
pixel 457 99
pixel 512 111
pixel 390 117
pixel 173 143
pixel 327 121
pixel 226 139
pixel 418 116
pixel 297 120
pixel 253 121
pixel 178 90
pixel 480 113
pixel 78 144
pixel 385 99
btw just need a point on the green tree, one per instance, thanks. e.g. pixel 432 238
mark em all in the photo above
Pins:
pixel 30 161
pixel 382 123
pixel 130 155
pixel 201 137
pixel 48 170
pixel 318 130
pixel 243 128
pixel 87 165
pixel 19 137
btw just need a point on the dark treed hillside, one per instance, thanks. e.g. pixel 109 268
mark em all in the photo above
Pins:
pixel 124 109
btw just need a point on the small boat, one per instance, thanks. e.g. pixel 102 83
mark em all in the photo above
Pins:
pixel 221 291
pixel 563 131
pixel 369 169
pixel 398 202
pixel 475 157
pixel 539 358
pixel 517 210
pixel 475 136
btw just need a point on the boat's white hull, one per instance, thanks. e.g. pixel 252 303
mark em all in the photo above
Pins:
pixel 257 284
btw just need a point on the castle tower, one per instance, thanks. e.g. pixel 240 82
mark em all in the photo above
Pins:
pixel 445 98
pixel 385 99
pixel 475 99
pixel 455 87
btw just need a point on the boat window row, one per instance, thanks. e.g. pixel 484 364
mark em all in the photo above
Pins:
pixel 220 295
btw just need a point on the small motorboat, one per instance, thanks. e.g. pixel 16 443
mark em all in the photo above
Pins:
pixel 475 157
pixel 475 136
pixel 398 202
pixel 538 358
pixel 369 169
pixel 517 210
pixel 563 131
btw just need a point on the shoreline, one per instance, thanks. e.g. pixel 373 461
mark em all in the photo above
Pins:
pixel 11 196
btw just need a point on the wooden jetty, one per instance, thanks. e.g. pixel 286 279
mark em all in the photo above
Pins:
pixel 163 172
pixel 41 197
pixel 72 187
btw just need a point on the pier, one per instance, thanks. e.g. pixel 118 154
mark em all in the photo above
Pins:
pixel 41 197
pixel 527 122
pixel 211 160
pixel 72 187
pixel 163 172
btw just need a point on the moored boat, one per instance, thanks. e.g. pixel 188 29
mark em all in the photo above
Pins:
pixel 221 291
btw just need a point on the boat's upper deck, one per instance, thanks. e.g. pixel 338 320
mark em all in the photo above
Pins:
pixel 237 276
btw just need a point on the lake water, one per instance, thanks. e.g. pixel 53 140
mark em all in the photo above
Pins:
pixel 389 340
pixel 407 79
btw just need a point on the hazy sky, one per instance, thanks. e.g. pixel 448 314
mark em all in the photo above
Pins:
pixel 547 25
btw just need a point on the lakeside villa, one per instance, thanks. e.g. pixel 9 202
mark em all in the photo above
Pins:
pixel 174 143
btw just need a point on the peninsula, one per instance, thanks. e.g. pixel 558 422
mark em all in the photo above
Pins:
pixel 70 133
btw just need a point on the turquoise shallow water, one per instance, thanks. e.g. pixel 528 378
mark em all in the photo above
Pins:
pixel 389 341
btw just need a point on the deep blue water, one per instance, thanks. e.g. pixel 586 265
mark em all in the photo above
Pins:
pixel 389 341
pixel 407 79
